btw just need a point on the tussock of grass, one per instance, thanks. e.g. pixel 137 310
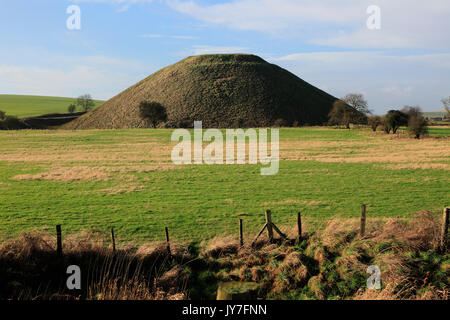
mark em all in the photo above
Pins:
pixel 219 246
pixel 317 268
pixel 31 269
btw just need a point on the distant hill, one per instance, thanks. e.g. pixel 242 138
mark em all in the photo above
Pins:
pixel 224 90
pixel 434 114
pixel 28 106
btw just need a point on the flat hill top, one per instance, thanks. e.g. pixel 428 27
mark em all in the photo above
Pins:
pixel 28 106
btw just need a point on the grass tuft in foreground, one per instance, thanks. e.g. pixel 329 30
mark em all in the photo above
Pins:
pixel 330 264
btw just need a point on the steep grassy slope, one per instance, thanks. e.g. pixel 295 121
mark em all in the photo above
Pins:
pixel 28 106
pixel 230 90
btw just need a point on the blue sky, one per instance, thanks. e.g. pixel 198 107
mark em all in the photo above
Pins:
pixel 324 42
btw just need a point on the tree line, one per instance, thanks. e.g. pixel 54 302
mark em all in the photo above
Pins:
pixel 353 109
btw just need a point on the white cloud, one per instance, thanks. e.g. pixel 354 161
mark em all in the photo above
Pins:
pixel 55 82
pixel 151 36
pixel 124 4
pixel 404 23
pixel 387 80
pixel 266 15
pixel 205 49
pixel 398 91
pixel 71 76
pixel 160 36
pixel 184 37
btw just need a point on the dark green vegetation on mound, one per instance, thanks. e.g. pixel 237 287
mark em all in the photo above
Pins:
pixel 228 90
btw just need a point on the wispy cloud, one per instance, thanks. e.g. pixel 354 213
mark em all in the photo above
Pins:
pixel 398 91
pixel 70 83
pixel 70 75
pixel 206 49
pixel 160 36
pixel 123 5
pixel 387 80
pixel 269 15
pixel 405 23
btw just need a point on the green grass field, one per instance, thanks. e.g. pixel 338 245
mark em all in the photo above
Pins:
pixel 439 131
pixel 27 106
pixel 96 179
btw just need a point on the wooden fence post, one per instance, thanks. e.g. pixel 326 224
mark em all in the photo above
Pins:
pixel 241 235
pixel 113 239
pixel 269 225
pixel 363 220
pixel 58 241
pixel 168 241
pixel 444 231
pixel 299 226
pixel 270 228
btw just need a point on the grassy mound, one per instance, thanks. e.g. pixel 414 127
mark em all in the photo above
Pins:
pixel 229 90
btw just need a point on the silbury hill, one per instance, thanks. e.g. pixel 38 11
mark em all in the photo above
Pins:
pixel 223 91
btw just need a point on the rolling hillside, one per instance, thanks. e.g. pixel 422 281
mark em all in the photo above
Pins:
pixel 28 106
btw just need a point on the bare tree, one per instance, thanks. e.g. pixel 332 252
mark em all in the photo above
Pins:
pixel 446 103
pixel 412 111
pixel 357 101
pixel 86 102
pixel 343 114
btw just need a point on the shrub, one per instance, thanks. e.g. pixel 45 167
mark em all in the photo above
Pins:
pixel 71 108
pixel 374 122
pixel 153 112
pixel 11 123
pixel 279 123
pixel 394 119
pixel 417 126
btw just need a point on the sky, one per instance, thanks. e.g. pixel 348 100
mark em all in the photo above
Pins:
pixel 406 61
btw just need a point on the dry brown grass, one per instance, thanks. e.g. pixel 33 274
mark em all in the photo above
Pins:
pixel 293 201
pixel 128 274
pixel 147 272
pixel 68 174
pixel 221 246
pixel 422 232
pixel 403 153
